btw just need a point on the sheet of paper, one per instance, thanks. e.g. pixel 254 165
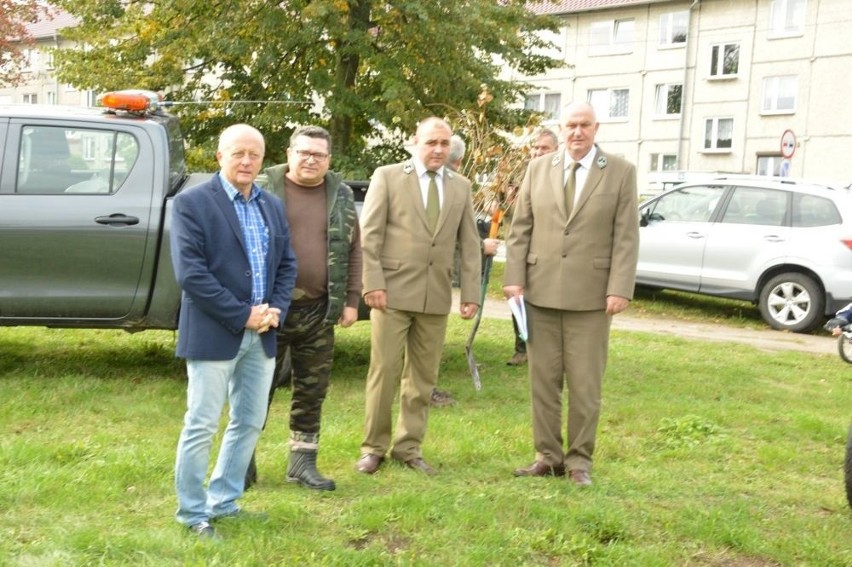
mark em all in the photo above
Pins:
pixel 516 305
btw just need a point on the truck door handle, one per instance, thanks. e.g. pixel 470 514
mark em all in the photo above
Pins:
pixel 117 218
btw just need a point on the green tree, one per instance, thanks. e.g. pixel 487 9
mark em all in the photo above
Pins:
pixel 14 36
pixel 366 69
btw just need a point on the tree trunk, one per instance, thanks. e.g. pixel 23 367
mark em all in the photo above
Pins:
pixel 349 59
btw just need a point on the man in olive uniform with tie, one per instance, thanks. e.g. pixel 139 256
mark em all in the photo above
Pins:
pixel 572 253
pixel 414 215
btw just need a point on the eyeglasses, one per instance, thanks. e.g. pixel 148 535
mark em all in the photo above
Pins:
pixel 305 155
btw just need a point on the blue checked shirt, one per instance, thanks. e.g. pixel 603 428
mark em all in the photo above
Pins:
pixel 255 236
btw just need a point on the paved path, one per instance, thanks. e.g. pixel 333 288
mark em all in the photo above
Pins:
pixel 765 339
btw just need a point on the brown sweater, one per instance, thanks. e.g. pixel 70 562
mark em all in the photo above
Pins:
pixel 307 214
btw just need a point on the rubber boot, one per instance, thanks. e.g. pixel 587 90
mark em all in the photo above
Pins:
pixel 303 470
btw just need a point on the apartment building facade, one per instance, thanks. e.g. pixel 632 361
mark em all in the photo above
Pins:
pixel 715 86
pixel 39 84
pixel 733 86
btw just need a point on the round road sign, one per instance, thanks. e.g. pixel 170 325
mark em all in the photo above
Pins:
pixel 788 144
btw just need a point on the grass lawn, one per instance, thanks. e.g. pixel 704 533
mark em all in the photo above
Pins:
pixel 708 454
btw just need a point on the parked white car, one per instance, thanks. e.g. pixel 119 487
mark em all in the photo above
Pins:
pixel 785 245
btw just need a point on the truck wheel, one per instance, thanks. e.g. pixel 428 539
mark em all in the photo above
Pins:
pixel 792 302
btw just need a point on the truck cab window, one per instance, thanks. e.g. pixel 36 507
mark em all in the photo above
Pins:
pixel 65 160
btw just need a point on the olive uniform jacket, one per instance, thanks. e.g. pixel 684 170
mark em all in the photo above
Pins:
pixel 400 253
pixel 574 263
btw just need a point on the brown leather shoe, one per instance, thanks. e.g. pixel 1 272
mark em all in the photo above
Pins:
pixel 419 464
pixel 580 478
pixel 368 463
pixel 540 468
pixel 518 359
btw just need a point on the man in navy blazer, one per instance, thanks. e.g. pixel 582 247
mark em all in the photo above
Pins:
pixel 231 253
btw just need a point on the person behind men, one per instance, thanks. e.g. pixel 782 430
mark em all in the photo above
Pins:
pixel 544 141
pixel 572 253
pixel 840 320
pixel 327 243
pixel 230 247
pixel 441 398
pixel 414 214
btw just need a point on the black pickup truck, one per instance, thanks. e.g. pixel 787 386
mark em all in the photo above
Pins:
pixel 85 196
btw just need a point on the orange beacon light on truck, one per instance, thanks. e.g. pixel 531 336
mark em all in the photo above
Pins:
pixel 130 100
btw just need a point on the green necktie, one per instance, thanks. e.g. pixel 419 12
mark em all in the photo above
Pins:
pixel 433 207
pixel 571 187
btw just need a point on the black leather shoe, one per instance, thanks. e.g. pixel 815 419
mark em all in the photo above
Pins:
pixel 419 464
pixel 368 463
pixel 540 468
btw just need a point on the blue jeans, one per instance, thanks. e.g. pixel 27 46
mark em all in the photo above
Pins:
pixel 245 382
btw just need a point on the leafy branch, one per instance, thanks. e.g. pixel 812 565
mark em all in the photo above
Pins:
pixel 495 159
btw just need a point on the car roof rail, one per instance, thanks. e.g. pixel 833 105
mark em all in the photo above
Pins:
pixel 794 181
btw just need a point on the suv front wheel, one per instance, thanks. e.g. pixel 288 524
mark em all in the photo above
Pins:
pixel 792 302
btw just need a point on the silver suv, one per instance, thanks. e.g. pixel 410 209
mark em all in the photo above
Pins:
pixel 785 245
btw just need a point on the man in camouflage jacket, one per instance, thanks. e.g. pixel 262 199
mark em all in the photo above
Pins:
pixel 327 243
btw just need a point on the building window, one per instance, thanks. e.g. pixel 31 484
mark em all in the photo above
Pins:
pixel 89 148
pixel 546 103
pixel 724 59
pixel 51 97
pixel 673 28
pixel 611 37
pixel 663 162
pixel 90 99
pixel 610 103
pixel 779 94
pixel 718 133
pixel 30 98
pixel 787 18
pixel 32 59
pixel 48 60
pixel 668 100
pixel 770 165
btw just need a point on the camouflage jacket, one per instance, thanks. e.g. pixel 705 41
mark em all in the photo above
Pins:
pixel 342 220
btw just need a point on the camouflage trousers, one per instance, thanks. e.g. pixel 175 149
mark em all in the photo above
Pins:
pixel 310 342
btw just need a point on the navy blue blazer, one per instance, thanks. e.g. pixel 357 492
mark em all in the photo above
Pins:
pixel 212 267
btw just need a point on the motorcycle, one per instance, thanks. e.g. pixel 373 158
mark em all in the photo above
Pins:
pixel 844 343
